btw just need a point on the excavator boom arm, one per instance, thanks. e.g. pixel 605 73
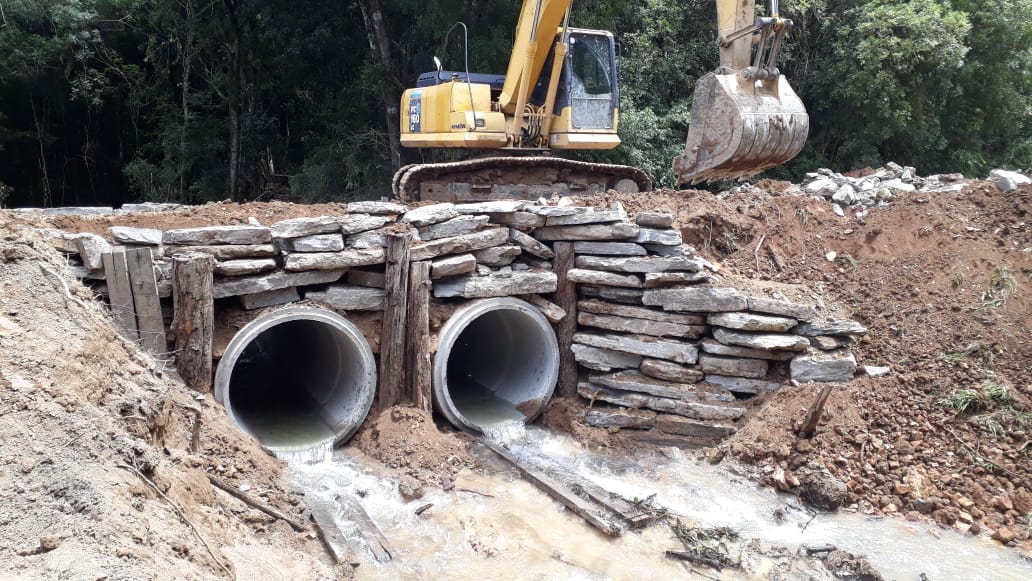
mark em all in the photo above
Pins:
pixel 535 33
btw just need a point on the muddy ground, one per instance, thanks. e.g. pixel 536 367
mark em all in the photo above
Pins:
pixel 98 478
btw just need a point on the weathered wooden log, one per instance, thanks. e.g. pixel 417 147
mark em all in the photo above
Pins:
pixel 418 341
pixel 193 319
pixel 392 342
pixel 147 303
pixel 566 298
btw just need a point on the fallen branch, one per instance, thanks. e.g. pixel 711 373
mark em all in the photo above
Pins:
pixel 195 430
pixel 978 456
pixel 814 417
pixel 820 549
pixel 756 253
pixel 474 492
pixel 698 558
pixel 179 512
pixel 424 508
pixel 232 490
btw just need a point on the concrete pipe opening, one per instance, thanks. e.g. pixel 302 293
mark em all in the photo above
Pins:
pixel 497 360
pixel 297 377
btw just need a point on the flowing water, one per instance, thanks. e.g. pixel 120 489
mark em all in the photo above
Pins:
pixel 507 529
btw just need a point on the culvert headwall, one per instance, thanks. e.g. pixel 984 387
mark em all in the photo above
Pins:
pixel 497 360
pixel 297 377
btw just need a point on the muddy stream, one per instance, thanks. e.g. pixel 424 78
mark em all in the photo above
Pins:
pixel 508 529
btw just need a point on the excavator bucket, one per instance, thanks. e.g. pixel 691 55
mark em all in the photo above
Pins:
pixel 740 127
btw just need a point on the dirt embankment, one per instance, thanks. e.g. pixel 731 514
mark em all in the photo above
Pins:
pixel 98 478
pixel 943 281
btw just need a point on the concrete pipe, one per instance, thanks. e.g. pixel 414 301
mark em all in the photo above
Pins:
pixel 497 360
pixel 297 377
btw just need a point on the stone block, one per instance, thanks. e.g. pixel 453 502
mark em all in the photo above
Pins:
pixel 623 418
pixel 355 223
pixel 643 345
pixel 733 366
pixel 659 236
pixel 350 298
pixel 767 341
pixel 609 248
pixel 261 283
pixel 655 220
pixel 210 235
pixel 452 265
pixel 496 285
pixel 270 298
pixel 431 214
pixel 643 264
pixel 751 322
pixel 530 245
pixel 91 250
pixel 688 409
pixel 782 308
pixel 141 236
pixel 604 308
pixel 681 426
pixel 497 255
pixel 669 371
pixel 582 276
pixel 604 360
pixel 640 326
pixel 742 384
pixel 617 231
pixel 705 299
pixel 718 348
pixel 830 328
pixel 823 366
pixel 376 208
pixel 334 260
pixel 460 244
pixel 457 226
pixel 299 227
pixel 244 266
pixel 317 243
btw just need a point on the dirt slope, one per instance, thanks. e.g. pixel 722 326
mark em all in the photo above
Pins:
pixel 944 283
pixel 85 418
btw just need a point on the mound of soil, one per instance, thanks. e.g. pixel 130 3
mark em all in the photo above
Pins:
pixel 99 473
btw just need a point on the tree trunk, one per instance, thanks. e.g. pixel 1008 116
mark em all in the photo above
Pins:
pixel 193 317
pixel 379 43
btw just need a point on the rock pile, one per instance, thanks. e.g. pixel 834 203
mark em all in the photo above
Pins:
pixel 665 341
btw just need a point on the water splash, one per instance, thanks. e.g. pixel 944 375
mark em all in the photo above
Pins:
pixel 506 431
pixel 314 454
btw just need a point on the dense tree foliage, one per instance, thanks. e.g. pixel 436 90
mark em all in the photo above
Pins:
pixel 107 101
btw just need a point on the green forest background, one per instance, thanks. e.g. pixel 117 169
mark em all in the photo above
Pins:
pixel 111 101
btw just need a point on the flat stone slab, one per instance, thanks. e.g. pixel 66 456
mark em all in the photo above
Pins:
pixel 553 211
pixel 583 276
pixel 350 297
pixel 718 348
pixel 457 226
pixel 376 208
pixel 334 260
pixel 604 308
pixel 530 245
pixel 369 239
pixel 432 214
pixel 460 244
pixel 643 264
pixel 642 345
pixel 452 265
pixel 521 220
pixel 609 248
pixel 696 299
pixel 91 250
pixel 751 322
pixel 317 243
pixel 783 308
pixel 830 328
pixel 261 283
pixel 742 384
pixel 592 216
pixel 497 285
pixel 688 409
pixel 827 343
pixel 129 235
pixel 640 326
pixel 636 382
pixel 270 298
pixel 227 251
pixel 669 371
pixel 656 220
pixel 662 279
pixel 497 255
pixel 298 227
pixel 553 312
pixel 623 418
pixel 355 223
pixel 767 341
pixel 369 278
pixel 617 231
pixel 733 366
pixel 240 234
pixel 681 426
pixel 678 250
pixel 244 266
pixel 628 296
pixel 604 360
pixel 659 236
pixel 491 207
pixel 823 366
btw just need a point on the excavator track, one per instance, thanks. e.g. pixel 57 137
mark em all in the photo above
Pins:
pixel 528 178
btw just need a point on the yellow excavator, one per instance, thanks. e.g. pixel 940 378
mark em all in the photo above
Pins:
pixel 560 92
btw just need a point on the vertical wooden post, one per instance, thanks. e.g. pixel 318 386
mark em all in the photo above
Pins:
pixel 392 338
pixel 149 321
pixel 566 297
pixel 193 319
pixel 418 343
pixel 120 294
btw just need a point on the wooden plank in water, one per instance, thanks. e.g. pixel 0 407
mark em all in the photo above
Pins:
pixel 120 294
pixel 635 515
pixel 331 536
pixel 149 321
pixel 553 488
pixel 378 543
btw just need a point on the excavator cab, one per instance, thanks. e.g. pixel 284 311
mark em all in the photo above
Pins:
pixel 745 116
